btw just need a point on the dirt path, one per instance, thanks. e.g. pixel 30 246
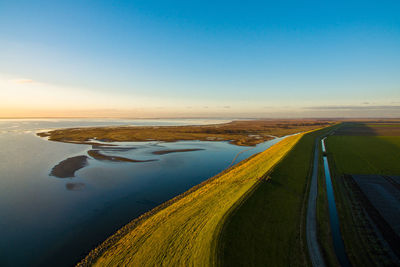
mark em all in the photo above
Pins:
pixel 311 223
pixel 237 155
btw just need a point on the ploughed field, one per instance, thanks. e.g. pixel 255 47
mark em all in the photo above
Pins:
pixel 384 195
pixel 365 158
pixel 243 133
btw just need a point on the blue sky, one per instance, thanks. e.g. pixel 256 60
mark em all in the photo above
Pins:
pixel 200 58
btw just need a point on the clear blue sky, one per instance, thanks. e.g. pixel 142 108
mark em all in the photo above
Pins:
pixel 200 58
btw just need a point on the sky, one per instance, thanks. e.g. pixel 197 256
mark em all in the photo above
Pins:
pixel 248 59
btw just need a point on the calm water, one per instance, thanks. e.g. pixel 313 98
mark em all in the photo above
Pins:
pixel 333 218
pixel 50 221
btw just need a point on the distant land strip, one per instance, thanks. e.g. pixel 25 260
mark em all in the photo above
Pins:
pixel 241 133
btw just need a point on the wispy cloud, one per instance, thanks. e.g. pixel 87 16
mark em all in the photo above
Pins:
pixel 348 108
pixel 22 81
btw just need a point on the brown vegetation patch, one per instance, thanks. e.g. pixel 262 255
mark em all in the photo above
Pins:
pixel 96 154
pixel 113 148
pixel 163 152
pixel 69 166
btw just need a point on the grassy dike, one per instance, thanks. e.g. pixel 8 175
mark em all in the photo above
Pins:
pixel 268 229
pixel 184 230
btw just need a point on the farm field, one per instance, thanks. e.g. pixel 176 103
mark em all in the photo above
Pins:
pixel 366 154
pixel 384 195
pixel 370 129
pixel 357 152
pixel 184 230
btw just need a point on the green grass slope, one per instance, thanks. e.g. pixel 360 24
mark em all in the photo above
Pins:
pixel 268 228
pixel 183 232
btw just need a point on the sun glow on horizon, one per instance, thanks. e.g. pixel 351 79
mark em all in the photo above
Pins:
pixel 24 97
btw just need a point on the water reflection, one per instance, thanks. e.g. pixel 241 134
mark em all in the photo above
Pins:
pixel 334 218
pixel 75 186
pixel 45 220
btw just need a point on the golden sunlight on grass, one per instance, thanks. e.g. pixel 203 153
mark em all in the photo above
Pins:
pixel 184 231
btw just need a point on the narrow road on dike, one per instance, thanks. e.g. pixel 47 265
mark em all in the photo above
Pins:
pixel 311 223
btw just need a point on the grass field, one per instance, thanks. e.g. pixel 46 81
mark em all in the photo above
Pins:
pixel 361 149
pixel 365 154
pixel 370 129
pixel 184 231
pixel 268 229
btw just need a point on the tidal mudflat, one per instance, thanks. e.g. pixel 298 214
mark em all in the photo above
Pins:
pixel 69 166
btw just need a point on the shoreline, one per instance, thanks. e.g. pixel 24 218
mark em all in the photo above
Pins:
pixel 207 189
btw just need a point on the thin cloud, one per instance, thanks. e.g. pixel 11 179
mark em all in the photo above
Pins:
pixel 347 108
pixel 22 81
